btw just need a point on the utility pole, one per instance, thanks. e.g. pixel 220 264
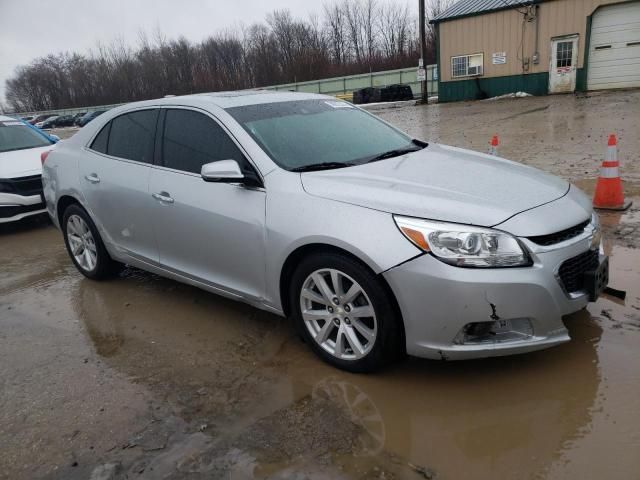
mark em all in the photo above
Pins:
pixel 423 51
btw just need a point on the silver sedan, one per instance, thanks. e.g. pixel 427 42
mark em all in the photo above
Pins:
pixel 376 244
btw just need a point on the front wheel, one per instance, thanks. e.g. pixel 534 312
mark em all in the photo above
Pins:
pixel 344 313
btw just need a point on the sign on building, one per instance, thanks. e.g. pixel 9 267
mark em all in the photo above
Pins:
pixel 499 58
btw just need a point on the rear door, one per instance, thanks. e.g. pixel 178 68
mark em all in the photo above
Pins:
pixel 115 182
pixel 209 232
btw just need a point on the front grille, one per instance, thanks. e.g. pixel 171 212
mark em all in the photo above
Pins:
pixel 27 186
pixel 560 236
pixel 13 210
pixel 572 271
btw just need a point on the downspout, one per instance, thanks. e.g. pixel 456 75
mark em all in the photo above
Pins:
pixel 536 52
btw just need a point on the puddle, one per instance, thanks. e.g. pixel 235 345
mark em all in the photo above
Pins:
pixel 164 380
pixel 147 378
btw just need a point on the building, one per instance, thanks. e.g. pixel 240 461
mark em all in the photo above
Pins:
pixel 493 47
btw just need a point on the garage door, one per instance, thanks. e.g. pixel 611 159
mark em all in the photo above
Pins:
pixel 614 52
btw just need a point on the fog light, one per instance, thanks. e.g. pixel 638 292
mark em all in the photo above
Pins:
pixel 502 330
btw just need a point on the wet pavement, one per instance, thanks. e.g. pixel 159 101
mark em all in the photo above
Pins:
pixel 562 134
pixel 143 377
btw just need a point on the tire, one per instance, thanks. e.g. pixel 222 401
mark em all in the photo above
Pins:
pixel 356 342
pixel 77 224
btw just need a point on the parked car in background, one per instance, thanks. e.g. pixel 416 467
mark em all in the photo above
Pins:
pixel 373 242
pixel 90 116
pixel 48 123
pixel 77 117
pixel 21 148
pixel 62 121
pixel 28 118
pixel 39 118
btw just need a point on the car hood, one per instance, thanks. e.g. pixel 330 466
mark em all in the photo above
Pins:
pixel 440 183
pixel 22 163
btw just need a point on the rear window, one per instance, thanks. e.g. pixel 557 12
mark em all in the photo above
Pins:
pixel 132 136
pixel 15 135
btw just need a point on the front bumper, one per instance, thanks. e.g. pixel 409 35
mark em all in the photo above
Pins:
pixel 438 301
pixel 16 207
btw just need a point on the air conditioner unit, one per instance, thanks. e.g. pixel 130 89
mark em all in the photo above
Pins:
pixel 477 70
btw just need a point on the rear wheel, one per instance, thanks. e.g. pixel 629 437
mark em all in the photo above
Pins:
pixel 344 313
pixel 84 245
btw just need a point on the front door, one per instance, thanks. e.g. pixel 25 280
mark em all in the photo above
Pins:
pixel 210 232
pixel 563 67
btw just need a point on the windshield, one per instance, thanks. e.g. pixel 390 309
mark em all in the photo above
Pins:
pixel 312 132
pixel 15 135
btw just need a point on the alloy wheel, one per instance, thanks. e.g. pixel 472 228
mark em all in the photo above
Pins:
pixel 81 243
pixel 338 314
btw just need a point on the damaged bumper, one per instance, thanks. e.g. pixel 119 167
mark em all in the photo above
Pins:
pixel 459 313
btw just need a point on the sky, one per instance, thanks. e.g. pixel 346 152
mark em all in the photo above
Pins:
pixel 35 28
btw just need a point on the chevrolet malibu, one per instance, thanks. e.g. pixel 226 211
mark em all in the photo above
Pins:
pixel 375 244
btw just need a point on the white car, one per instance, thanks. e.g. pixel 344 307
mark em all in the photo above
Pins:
pixel 21 148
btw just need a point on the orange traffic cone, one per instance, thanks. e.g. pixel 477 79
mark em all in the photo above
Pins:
pixel 493 148
pixel 609 194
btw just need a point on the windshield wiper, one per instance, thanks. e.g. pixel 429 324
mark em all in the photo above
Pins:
pixel 393 153
pixel 321 166
pixel 399 151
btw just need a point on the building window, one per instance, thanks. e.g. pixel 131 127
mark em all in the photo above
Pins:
pixel 467 65
pixel 564 54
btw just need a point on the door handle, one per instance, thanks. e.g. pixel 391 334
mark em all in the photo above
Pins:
pixel 163 197
pixel 93 178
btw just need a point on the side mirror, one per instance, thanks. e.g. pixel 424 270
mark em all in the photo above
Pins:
pixel 56 138
pixel 222 171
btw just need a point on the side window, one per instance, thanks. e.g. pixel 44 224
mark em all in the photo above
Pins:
pixel 100 142
pixel 192 139
pixel 132 136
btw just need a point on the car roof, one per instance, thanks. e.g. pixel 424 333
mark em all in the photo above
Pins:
pixel 229 99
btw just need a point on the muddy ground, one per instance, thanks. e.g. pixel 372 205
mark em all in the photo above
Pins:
pixel 143 377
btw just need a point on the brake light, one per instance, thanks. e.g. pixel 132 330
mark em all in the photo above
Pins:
pixel 44 155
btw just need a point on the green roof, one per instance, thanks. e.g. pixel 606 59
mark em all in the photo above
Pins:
pixel 467 8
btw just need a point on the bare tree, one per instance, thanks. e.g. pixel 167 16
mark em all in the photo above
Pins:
pixel 394 27
pixel 433 9
pixel 335 24
pixel 351 36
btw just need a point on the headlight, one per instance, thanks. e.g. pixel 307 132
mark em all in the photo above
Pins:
pixel 464 245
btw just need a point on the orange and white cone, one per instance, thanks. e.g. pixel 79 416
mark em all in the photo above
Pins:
pixel 609 194
pixel 493 145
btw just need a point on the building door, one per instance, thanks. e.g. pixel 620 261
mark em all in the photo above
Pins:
pixel 614 51
pixel 564 60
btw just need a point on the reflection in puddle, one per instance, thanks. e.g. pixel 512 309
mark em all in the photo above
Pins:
pixel 359 408
pixel 244 374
